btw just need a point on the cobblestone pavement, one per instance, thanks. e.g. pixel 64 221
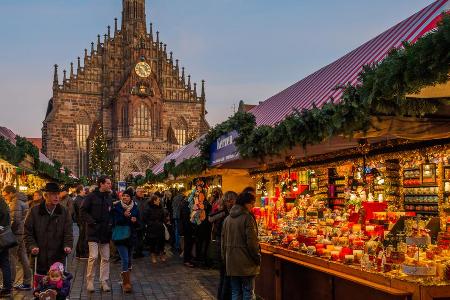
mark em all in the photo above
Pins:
pixel 163 280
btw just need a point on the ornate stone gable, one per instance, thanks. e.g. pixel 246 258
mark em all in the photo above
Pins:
pixel 134 109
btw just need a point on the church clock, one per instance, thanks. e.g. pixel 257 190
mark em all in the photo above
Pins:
pixel 143 69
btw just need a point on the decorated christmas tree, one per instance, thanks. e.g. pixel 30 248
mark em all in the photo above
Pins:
pixel 99 161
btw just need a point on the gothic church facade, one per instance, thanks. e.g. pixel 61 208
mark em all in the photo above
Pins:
pixel 130 85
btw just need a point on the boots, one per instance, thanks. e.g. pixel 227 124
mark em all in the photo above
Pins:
pixel 105 286
pixel 126 282
pixel 90 286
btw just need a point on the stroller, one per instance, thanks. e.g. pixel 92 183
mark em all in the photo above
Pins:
pixel 43 292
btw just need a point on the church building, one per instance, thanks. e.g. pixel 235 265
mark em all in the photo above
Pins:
pixel 132 87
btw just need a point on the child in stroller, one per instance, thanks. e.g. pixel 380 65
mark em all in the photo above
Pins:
pixel 54 285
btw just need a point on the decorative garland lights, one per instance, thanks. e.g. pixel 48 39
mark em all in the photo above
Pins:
pixel 381 91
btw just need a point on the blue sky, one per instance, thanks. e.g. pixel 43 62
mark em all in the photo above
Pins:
pixel 244 49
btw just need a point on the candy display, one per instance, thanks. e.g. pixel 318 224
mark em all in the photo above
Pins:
pixel 381 218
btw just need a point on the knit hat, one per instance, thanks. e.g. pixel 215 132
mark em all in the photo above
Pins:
pixel 57 266
pixel 129 192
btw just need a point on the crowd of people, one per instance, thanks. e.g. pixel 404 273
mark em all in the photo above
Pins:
pixel 204 230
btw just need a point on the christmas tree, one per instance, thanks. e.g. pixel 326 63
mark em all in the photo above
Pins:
pixel 99 162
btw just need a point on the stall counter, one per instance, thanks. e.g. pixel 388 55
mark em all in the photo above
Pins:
pixel 287 274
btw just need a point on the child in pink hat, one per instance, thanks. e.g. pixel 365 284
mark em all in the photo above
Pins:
pixel 55 285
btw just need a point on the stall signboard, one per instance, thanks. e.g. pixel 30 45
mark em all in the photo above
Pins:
pixel 224 149
pixel 121 186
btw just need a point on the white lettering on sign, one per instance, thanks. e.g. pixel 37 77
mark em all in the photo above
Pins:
pixel 222 143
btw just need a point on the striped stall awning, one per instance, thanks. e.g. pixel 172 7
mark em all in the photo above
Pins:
pixel 9 135
pixel 319 87
pixel 190 150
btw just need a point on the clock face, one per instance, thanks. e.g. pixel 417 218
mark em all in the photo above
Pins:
pixel 143 69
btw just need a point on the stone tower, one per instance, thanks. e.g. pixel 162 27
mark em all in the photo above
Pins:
pixel 130 84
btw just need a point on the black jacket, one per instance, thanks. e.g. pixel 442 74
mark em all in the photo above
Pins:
pixel 51 234
pixel 153 218
pixel 4 213
pixel 186 228
pixel 76 209
pixel 95 211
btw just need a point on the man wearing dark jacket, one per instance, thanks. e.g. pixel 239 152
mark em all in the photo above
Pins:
pixel 240 246
pixel 4 254
pixel 48 230
pixel 141 201
pixel 95 212
pixel 187 230
pixel 82 249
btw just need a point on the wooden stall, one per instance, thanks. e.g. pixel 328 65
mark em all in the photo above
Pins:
pixel 287 274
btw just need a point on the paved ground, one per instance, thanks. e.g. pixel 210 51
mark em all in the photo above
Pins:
pixel 169 280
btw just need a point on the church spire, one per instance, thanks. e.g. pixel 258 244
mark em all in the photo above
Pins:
pixel 133 17
pixel 203 94
pixel 55 78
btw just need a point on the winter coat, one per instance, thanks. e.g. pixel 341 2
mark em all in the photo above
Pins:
pixel 240 246
pixel 119 219
pixel 5 220
pixel 217 220
pixel 153 217
pixel 76 209
pixel 67 202
pixel 44 285
pixel 205 227
pixel 141 204
pixel 177 202
pixel 186 226
pixel 50 233
pixel 95 211
pixel 18 211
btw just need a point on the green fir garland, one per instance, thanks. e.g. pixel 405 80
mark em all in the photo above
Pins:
pixel 381 91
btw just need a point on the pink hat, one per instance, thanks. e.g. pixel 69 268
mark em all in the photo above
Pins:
pixel 57 266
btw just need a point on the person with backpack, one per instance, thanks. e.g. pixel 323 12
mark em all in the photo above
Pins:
pixel 18 211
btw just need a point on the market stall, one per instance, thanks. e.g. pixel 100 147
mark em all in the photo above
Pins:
pixel 374 226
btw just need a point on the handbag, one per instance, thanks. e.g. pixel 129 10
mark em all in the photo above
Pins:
pixel 120 233
pixel 166 233
pixel 7 238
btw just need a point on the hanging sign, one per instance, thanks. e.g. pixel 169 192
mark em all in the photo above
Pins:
pixel 224 149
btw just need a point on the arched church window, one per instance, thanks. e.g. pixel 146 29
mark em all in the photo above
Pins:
pixel 124 121
pixel 181 130
pixel 141 121
pixel 82 133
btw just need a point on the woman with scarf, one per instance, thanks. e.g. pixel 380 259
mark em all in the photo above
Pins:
pixel 125 216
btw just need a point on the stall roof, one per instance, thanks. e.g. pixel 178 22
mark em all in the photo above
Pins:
pixel 319 87
pixel 9 135
pixel 187 151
